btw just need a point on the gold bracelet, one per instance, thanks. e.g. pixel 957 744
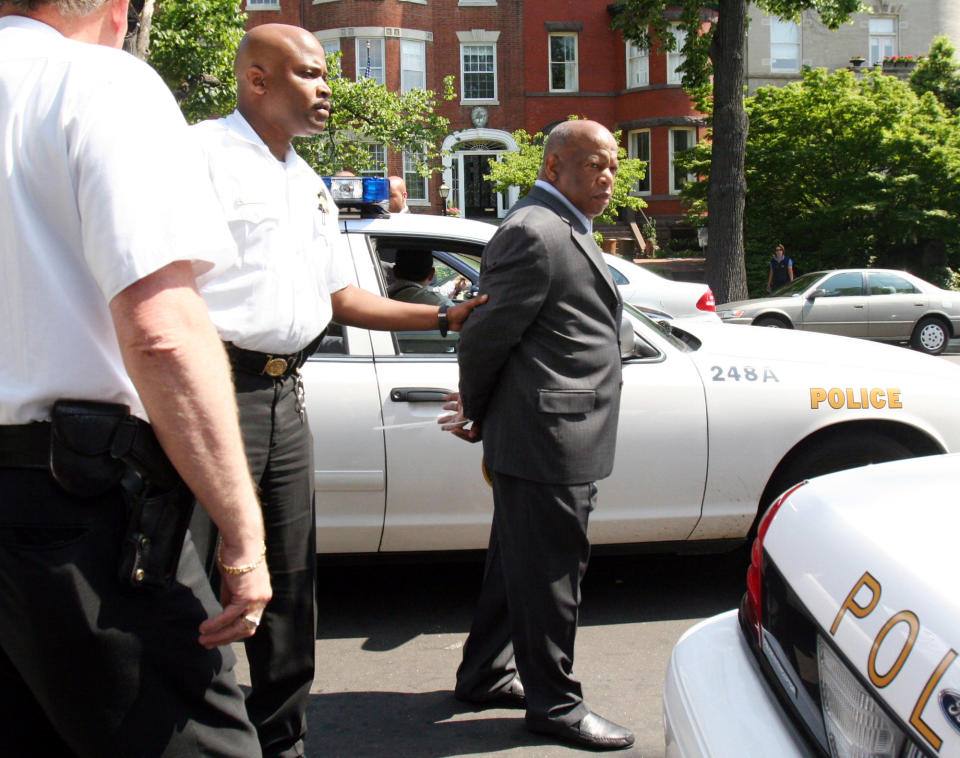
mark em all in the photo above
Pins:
pixel 237 570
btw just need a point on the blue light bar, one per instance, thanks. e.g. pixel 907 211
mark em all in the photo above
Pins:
pixel 357 190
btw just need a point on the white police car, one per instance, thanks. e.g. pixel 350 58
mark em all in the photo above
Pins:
pixel 848 636
pixel 716 420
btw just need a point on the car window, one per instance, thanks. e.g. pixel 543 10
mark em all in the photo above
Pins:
pixel 334 341
pixel 453 279
pixel 799 284
pixel 843 285
pixel 890 284
pixel 618 278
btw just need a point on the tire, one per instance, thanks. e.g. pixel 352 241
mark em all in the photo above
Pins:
pixel 930 336
pixel 836 453
pixel 773 322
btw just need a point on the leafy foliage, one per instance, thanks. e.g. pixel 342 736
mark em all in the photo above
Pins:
pixel 192 46
pixel 851 173
pixel 363 112
pixel 521 168
pixel 939 73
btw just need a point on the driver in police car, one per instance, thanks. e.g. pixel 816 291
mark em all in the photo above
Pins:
pixel 271 308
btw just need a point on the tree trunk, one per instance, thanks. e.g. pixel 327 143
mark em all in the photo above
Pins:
pixel 725 269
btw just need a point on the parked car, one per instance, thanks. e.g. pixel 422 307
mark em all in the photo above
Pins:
pixel 879 304
pixel 715 420
pixel 660 297
pixel 846 641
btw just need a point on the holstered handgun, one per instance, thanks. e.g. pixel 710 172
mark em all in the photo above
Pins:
pixel 95 446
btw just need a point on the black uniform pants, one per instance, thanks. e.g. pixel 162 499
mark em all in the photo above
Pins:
pixel 526 617
pixel 281 654
pixel 90 667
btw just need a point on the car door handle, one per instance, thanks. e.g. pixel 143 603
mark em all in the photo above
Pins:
pixel 858 306
pixel 418 394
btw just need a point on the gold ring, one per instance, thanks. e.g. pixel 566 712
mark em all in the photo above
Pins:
pixel 251 622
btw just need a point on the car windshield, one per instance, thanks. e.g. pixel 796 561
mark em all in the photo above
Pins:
pixel 798 285
pixel 643 323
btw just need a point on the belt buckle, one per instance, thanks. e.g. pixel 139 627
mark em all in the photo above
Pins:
pixel 275 367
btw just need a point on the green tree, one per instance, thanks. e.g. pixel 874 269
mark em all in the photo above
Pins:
pixel 848 172
pixel 521 168
pixel 724 46
pixel 364 112
pixel 192 44
pixel 939 73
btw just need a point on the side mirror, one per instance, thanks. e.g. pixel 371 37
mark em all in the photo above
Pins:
pixel 815 294
pixel 628 338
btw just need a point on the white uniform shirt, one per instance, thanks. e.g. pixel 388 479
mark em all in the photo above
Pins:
pixel 276 298
pixel 101 185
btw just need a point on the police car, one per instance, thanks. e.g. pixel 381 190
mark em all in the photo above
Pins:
pixel 847 640
pixel 716 420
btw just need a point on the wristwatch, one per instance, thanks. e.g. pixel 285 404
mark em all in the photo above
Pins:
pixel 442 319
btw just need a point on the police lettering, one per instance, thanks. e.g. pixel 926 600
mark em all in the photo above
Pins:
pixel 868 584
pixel 849 397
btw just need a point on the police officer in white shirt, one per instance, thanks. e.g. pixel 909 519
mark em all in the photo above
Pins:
pixel 106 220
pixel 271 308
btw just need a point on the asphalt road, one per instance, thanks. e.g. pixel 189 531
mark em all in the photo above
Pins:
pixel 390 638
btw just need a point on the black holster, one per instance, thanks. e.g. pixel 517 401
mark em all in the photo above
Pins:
pixel 95 446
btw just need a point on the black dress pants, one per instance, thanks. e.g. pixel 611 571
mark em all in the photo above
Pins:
pixel 281 654
pixel 526 617
pixel 90 667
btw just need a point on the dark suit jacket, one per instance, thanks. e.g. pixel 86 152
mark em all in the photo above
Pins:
pixel 540 361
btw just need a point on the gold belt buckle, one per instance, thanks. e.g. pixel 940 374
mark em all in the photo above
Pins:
pixel 275 367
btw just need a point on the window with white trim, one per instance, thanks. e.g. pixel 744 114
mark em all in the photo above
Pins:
pixel 263 5
pixel 638 146
pixel 378 160
pixel 330 46
pixel 370 58
pixel 676 58
pixel 418 187
pixel 413 65
pixel 784 46
pixel 478 71
pixel 681 138
pixel 883 38
pixel 638 65
pixel 563 62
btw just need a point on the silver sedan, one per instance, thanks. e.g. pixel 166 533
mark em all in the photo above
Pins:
pixel 878 304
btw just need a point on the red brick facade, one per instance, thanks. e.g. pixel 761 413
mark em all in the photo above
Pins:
pixel 519 32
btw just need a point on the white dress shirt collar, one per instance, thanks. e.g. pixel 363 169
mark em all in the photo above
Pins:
pixel 587 223
pixel 241 127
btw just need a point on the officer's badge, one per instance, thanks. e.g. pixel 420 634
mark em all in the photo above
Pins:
pixel 324 204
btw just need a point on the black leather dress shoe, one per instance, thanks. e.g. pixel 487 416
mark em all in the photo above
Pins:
pixel 592 732
pixel 511 696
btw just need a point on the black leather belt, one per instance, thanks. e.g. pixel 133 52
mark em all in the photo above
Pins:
pixel 25 445
pixel 267 364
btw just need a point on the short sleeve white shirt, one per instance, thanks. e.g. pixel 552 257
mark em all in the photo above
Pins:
pixel 102 185
pixel 276 297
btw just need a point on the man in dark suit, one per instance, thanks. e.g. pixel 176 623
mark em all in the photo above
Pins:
pixel 540 378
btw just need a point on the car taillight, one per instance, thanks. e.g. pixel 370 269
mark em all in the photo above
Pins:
pixel 707 301
pixel 754 606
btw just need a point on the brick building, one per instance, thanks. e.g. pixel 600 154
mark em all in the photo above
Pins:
pixel 518 65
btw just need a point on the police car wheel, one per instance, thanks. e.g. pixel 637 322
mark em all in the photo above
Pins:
pixel 930 336
pixel 837 453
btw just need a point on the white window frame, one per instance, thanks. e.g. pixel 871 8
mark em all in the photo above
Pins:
pixel 675 58
pixel 413 65
pixel 888 43
pixel 638 66
pixel 331 46
pixel 415 183
pixel 378 149
pixel 674 189
pixel 780 33
pixel 262 5
pixel 571 78
pixel 644 185
pixel 361 43
pixel 464 46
